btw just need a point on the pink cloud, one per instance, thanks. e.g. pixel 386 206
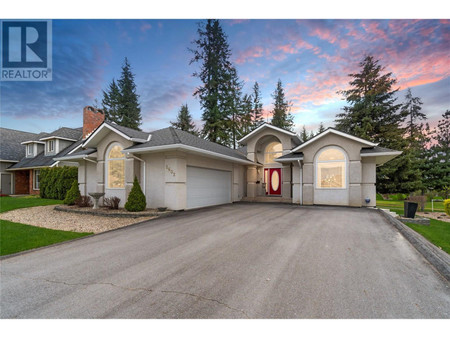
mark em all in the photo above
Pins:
pixel 249 54
pixel 145 27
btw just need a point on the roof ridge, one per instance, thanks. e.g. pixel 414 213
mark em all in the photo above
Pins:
pixel 174 135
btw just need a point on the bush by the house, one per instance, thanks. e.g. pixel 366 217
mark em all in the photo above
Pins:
pixel 420 200
pixel 84 201
pixel 447 206
pixel 136 198
pixel 73 194
pixel 55 182
pixel 111 202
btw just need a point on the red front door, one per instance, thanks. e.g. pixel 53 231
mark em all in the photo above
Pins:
pixel 274 181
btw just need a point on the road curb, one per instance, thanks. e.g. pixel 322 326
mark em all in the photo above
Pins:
pixel 437 257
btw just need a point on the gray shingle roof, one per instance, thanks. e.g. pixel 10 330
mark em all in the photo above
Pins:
pixel 132 133
pixel 11 148
pixel 291 156
pixel 170 135
pixel 40 160
pixel 70 133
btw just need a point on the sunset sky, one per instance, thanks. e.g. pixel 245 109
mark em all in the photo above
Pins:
pixel 311 57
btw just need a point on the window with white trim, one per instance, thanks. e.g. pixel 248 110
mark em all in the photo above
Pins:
pixel 115 167
pixel 273 150
pixel 50 146
pixel 30 149
pixel 36 174
pixel 331 167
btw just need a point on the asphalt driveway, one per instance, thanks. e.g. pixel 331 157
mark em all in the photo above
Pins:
pixel 234 261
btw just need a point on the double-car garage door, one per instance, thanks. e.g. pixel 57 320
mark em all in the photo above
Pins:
pixel 207 187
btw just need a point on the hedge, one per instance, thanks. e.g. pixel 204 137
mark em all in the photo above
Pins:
pixel 447 206
pixel 55 182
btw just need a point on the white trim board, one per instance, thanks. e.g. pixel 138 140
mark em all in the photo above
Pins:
pixel 337 132
pixel 266 126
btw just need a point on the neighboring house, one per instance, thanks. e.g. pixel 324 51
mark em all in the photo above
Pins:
pixel 11 152
pixel 180 171
pixel 38 151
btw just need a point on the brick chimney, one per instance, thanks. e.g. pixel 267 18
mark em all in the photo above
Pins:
pixel 92 118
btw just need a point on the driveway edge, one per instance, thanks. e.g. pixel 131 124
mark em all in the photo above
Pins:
pixel 437 257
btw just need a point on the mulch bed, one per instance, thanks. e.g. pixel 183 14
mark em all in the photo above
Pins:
pixel 105 212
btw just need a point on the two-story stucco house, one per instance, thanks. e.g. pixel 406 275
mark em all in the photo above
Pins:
pixel 180 171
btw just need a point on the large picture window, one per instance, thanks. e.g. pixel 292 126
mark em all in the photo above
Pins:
pixel 116 167
pixel 273 150
pixel 331 167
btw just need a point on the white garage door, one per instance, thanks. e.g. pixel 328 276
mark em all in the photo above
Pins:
pixel 207 187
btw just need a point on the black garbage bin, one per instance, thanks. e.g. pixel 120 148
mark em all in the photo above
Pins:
pixel 409 209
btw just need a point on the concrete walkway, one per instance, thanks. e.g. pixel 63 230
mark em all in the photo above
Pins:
pixel 234 261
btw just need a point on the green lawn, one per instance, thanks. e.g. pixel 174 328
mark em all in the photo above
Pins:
pixel 16 237
pixel 398 205
pixel 438 233
pixel 8 203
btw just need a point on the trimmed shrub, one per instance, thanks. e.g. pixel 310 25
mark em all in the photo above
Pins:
pixel 136 198
pixel 73 194
pixel 398 197
pixel 447 206
pixel 55 182
pixel 111 202
pixel 379 197
pixel 420 200
pixel 84 201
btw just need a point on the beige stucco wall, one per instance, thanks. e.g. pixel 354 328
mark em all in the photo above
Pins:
pixel 357 174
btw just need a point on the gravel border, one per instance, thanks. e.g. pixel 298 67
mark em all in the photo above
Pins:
pixel 437 257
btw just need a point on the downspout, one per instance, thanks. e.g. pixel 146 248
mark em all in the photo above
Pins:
pixel 301 182
pixel 143 176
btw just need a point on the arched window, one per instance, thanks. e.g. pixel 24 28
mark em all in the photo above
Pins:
pixel 115 162
pixel 273 150
pixel 331 166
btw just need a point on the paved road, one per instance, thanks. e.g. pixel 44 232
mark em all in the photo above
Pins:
pixel 234 261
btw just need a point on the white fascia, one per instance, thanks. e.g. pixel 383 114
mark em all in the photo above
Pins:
pixel 390 153
pixel 266 126
pixel 57 137
pixel 28 142
pixel 293 159
pixel 326 132
pixel 179 146
pixel 132 139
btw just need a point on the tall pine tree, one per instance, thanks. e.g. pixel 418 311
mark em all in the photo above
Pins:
pixel 184 121
pixel 129 110
pixel 257 118
pixel 373 114
pixel 281 113
pixel 218 92
pixel 247 121
pixel 120 100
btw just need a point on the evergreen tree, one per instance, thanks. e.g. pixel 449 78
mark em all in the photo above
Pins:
pixel 321 128
pixel 304 135
pixel 247 118
pixel 411 110
pixel 129 110
pixel 437 176
pixel 218 76
pixel 184 121
pixel 258 118
pixel 110 102
pixel 281 113
pixel 373 114
pixel 231 106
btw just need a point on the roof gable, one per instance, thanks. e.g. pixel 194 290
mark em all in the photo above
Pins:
pixel 336 132
pixel 127 133
pixel 266 126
